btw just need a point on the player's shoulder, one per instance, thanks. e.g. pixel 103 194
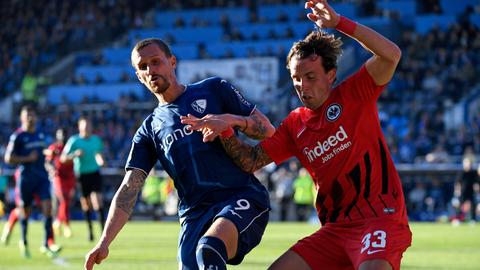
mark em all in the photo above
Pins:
pixel 150 121
pixel 360 75
pixel 296 113
pixel 74 139
pixel 208 83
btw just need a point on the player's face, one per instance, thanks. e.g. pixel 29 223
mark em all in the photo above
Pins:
pixel 311 81
pixel 59 135
pixel 154 69
pixel 84 126
pixel 28 118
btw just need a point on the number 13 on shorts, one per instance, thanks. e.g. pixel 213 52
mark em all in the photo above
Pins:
pixel 374 242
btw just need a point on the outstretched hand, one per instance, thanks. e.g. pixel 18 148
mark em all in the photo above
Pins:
pixel 95 256
pixel 323 15
pixel 210 125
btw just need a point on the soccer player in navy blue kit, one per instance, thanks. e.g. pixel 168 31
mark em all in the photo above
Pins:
pixel 25 149
pixel 223 210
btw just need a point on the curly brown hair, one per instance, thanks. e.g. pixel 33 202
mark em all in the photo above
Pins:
pixel 320 43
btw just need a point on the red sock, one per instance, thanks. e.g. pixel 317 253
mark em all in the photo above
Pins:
pixel 12 219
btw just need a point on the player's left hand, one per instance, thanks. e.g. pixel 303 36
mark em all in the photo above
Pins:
pixel 210 125
pixel 323 15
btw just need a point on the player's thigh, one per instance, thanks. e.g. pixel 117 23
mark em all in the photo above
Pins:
pixel 24 193
pixel 375 265
pixel 250 218
pixel 191 231
pixel 379 241
pixel 226 231
pixel 324 249
pixel 289 260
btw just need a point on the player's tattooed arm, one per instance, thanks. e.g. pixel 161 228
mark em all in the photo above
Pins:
pixel 128 192
pixel 248 158
pixel 122 205
pixel 257 126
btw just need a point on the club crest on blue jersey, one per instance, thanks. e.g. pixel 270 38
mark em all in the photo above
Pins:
pixel 333 112
pixel 199 105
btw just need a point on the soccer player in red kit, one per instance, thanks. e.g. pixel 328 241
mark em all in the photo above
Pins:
pixel 63 182
pixel 337 137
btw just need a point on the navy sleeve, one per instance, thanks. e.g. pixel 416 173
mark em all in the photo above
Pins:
pixel 232 100
pixel 142 154
pixel 16 144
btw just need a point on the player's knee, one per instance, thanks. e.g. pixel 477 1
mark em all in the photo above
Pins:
pixel 211 254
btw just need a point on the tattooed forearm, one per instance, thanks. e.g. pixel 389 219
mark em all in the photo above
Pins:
pixel 257 126
pixel 128 191
pixel 248 158
pixel 258 129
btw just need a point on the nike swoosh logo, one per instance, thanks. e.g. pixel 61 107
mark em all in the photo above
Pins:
pixel 374 251
pixel 301 132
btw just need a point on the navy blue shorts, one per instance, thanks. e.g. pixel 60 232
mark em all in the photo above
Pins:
pixel 27 187
pixel 249 216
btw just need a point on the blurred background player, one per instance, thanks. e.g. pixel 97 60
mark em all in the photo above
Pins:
pixel 223 211
pixel 337 137
pixel 85 149
pixel 303 195
pixel 63 182
pixel 467 188
pixel 25 149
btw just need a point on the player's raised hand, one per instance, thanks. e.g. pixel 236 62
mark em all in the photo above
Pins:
pixel 95 256
pixel 323 15
pixel 210 125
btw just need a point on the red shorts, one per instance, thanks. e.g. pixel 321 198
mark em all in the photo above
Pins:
pixel 64 186
pixel 346 246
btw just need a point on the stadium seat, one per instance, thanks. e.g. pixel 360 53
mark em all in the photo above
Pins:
pixel 405 8
pixel 167 19
pixel 452 7
pixel 425 23
pixel 103 92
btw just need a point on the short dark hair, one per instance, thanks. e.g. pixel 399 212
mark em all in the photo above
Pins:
pixel 160 43
pixel 28 108
pixel 317 43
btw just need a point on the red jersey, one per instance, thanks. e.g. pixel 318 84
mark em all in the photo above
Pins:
pixel 62 170
pixel 342 145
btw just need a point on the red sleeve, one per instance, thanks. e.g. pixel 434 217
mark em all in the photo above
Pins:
pixel 361 86
pixel 49 157
pixel 279 147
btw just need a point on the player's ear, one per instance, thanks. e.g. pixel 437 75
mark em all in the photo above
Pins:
pixel 332 75
pixel 173 61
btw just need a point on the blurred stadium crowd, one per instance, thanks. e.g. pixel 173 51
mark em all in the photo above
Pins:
pixel 430 111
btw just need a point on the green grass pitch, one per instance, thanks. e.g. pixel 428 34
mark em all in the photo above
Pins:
pixel 153 245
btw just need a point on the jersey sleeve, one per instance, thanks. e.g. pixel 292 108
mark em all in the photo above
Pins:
pixel 69 146
pixel 232 100
pixel 14 143
pixel 361 86
pixel 142 153
pixel 279 146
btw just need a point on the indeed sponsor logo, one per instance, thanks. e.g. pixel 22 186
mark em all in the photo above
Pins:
pixel 329 146
pixel 174 136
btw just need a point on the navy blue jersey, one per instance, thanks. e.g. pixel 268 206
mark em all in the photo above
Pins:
pixel 23 144
pixel 203 173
